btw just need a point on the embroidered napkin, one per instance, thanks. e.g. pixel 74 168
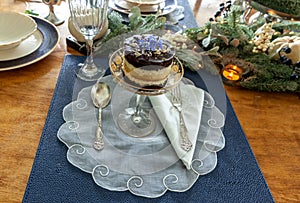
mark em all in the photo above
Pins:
pixel 192 104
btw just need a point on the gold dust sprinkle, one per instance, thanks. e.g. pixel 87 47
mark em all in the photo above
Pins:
pixel 118 60
pixel 114 67
pixel 175 68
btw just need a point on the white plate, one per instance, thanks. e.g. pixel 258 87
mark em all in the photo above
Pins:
pixel 144 8
pixel 25 48
pixel 170 6
pixel 145 2
pixel 50 39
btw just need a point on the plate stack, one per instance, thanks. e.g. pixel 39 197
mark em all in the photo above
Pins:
pixel 147 7
pixel 24 39
pixel 15 28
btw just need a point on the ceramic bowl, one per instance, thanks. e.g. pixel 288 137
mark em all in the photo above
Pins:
pixel 14 28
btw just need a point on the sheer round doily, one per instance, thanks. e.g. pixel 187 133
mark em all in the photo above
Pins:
pixel 145 166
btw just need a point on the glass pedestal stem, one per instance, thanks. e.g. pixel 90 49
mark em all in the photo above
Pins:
pixel 137 116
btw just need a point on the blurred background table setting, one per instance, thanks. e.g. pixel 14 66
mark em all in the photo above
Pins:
pixel 49 120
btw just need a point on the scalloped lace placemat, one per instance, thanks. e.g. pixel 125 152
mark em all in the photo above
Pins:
pixel 145 166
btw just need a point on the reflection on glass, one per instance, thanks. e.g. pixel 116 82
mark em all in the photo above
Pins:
pixel 89 18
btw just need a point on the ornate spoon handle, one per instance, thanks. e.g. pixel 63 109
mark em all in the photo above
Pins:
pixel 99 144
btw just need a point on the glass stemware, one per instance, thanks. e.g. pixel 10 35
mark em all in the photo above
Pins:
pixel 88 17
pixel 136 120
pixel 51 16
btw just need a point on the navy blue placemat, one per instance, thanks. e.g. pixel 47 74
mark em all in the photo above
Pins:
pixel 237 177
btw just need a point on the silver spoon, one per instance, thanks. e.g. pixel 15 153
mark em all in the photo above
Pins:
pixel 101 96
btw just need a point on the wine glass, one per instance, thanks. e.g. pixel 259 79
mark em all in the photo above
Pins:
pixel 51 16
pixel 88 17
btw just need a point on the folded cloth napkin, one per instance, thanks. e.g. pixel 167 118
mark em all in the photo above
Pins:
pixel 192 104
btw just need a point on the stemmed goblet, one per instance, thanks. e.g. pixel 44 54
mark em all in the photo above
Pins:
pixel 51 16
pixel 88 17
pixel 136 120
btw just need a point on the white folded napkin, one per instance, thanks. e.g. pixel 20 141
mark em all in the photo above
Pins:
pixel 192 104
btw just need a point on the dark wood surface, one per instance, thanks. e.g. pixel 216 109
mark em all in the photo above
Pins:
pixel 271 121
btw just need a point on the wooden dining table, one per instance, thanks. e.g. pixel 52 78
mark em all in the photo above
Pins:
pixel 271 121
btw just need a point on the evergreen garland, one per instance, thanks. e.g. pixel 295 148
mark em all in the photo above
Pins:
pixel 227 38
pixel 266 75
pixel 270 76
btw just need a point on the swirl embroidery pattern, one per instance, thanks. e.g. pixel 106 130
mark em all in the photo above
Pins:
pixel 122 165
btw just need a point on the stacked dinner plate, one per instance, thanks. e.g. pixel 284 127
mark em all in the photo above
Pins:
pixel 16 30
pixel 147 7
pixel 24 40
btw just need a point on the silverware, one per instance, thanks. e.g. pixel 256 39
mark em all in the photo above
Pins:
pixel 101 96
pixel 176 101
